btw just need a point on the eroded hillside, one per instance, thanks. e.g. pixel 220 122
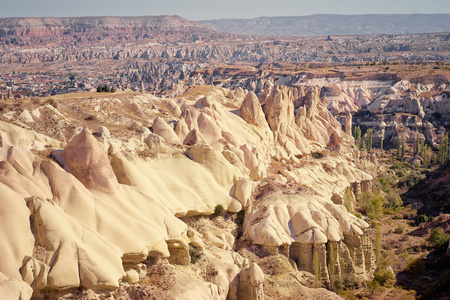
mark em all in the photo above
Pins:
pixel 214 194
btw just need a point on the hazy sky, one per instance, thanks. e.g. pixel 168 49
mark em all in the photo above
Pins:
pixel 213 9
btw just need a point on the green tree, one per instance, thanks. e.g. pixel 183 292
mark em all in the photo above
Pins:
pixel 416 148
pixel 403 146
pixel 348 199
pixel 369 140
pixel 358 137
pixel 443 149
pixel 426 154
pixel 399 148
pixel 422 144
pixel 438 237
pixel 316 268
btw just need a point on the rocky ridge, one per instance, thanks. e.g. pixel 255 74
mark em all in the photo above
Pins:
pixel 390 105
pixel 213 47
pixel 81 31
pixel 112 205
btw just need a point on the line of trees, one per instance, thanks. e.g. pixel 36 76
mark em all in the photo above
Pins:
pixel 443 153
pixel 420 148
pixel 363 143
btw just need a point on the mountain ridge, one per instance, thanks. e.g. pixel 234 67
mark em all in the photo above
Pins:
pixel 69 31
pixel 334 24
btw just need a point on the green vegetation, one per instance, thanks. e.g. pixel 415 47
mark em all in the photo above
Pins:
pixel 383 275
pixel 400 229
pixel 357 136
pixel 317 155
pixel 369 140
pixel 443 153
pixel 103 88
pixel 316 267
pixel 416 145
pixel 392 242
pixel 416 266
pixel 438 238
pixel 372 204
pixel 240 217
pixel 331 260
pixel 219 211
pixel 195 254
pixel 348 199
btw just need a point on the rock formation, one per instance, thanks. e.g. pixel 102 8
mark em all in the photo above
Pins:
pixel 113 208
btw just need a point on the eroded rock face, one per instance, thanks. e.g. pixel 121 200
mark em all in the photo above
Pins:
pixel 279 110
pixel 307 226
pixel 252 112
pixel 84 159
pixel 161 128
pixel 121 208
pixel 251 281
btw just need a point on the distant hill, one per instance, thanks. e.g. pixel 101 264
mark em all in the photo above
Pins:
pixel 100 30
pixel 334 25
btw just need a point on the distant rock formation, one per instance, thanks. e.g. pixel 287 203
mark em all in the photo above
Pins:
pixel 322 25
pixel 82 31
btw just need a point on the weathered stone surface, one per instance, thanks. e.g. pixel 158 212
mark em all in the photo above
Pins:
pixel 85 159
pixel 252 112
pixel 161 128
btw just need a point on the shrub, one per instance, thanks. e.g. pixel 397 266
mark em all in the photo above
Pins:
pixel 372 204
pixel 393 199
pixel 383 275
pixel 317 155
pixel 52 103
pixel 438 237
pixel 194 254
pixel 421 219
pixel 105 89
pixel 348 199
pixel 90 118
pixel 349 281
pixel 338 283
pixel 240 217
pixel 416 266
pixel 219 211
pixel 400 229
pixel 373 286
